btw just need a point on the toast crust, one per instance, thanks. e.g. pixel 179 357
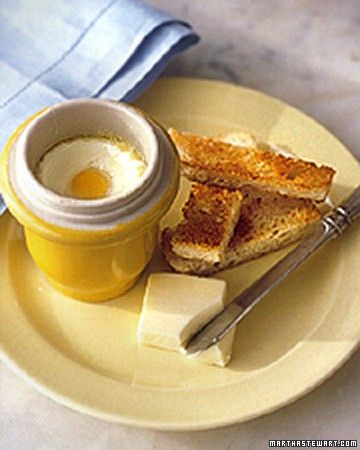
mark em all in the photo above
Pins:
pixel 212 161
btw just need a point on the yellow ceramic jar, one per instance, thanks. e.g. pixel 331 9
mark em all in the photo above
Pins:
pixel 91 250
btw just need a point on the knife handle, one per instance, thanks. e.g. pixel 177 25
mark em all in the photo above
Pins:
pixel 346 213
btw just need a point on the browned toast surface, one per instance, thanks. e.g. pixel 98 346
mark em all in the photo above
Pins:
pixel 210 216
pixel 212 161
pixel 268 221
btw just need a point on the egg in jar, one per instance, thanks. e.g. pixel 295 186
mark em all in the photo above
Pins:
pixel 91 167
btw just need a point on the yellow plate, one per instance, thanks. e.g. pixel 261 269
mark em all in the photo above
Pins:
pixel 85 355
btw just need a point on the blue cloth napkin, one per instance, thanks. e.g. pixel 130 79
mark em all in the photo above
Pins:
pixel 52 50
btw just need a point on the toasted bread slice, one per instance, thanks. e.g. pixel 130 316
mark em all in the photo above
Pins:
pixel 268 221
pixel 212 161
pixel 210 216
pixel 185 265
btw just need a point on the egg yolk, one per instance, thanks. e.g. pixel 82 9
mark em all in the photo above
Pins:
pixel 90 183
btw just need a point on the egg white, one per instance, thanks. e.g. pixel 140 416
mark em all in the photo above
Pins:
pixel 119 160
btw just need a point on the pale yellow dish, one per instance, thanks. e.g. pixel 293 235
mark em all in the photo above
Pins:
pixel 86 356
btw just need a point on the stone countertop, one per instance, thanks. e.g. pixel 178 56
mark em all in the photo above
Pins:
pixel 307 53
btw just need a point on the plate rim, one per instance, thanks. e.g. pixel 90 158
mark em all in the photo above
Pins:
pixel 171 426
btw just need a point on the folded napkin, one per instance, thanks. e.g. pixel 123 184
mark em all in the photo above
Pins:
pixel 52 50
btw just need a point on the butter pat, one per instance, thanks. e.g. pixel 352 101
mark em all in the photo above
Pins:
pixel 175 307
pixel 219 354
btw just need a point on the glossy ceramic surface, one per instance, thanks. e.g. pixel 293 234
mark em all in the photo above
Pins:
pixel 86 356
pixel 98 263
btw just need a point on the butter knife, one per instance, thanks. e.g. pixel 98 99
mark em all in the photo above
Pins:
pixel 331 225
pixel 2 205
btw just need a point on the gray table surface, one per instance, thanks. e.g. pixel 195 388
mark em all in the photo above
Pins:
pixel 307 53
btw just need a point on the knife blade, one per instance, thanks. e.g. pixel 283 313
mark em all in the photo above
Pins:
pixel 331 225
pixel 2 205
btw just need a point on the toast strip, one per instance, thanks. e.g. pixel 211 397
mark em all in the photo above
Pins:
pixel 212 161
pixel 268 222
pixel 210 216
